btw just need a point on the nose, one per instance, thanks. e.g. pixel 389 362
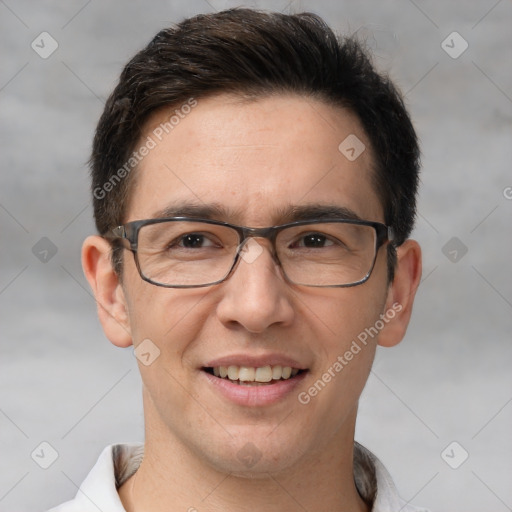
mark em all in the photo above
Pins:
pixel 256 296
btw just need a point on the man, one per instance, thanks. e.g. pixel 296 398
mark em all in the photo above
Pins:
pixel 263 176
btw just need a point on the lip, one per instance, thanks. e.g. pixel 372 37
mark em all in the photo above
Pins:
pixel 255 361
pixel 253 396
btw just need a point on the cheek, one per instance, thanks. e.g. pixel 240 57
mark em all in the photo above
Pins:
pixel 154 311
pixel 170 318
pixel 345 340
pixel 341 314
pixel 348 349
pixel 166 320
pixel 345 353
pixel 167 324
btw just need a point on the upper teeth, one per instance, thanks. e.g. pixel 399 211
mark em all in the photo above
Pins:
pixel 261 374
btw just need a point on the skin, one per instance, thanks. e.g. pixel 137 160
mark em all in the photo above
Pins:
pixel 254 158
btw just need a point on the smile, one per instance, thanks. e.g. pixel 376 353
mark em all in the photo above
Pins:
pixel 253 376
pixel 253 386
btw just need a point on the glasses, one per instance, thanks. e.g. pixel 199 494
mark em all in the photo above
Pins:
pixel 183 252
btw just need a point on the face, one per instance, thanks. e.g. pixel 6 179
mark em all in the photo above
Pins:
pixel 254 161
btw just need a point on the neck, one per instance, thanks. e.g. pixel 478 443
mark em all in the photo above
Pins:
pixel 173 478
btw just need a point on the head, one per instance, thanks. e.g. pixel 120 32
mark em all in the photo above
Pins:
pixel 254 55
pixel 244 112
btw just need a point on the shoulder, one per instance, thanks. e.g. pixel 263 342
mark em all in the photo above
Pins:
pixel 99 490
pixel 375 484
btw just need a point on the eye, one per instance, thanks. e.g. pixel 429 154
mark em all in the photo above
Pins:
pixel 193 241
pixel 313 240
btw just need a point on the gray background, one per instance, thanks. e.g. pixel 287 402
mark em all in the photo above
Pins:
pixel 450 380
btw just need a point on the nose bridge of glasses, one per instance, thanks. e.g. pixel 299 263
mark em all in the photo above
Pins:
pixel 269 234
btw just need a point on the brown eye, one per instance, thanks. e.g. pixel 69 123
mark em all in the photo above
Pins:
pixel 192 240
pixel 313 241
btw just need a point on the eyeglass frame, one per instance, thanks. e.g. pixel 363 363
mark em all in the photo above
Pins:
pixel 130 232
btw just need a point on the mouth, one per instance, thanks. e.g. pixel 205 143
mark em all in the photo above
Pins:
pixel 254 376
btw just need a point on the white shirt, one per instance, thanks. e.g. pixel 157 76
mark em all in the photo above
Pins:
pixel 118 462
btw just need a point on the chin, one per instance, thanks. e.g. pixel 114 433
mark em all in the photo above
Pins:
pixel 254 456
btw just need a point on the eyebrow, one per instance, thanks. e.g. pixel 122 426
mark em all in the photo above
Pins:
pixel 282 215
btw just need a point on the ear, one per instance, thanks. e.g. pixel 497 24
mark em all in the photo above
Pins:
pixel 108 292
pixel 401 293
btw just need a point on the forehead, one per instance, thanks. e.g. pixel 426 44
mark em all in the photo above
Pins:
pixel 254 161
